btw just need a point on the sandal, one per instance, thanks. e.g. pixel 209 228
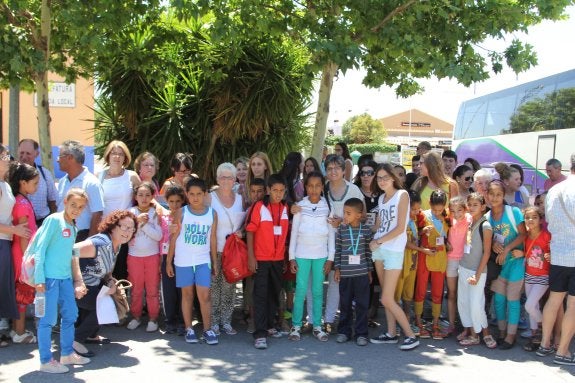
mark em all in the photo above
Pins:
pixel 320 335
pixel 295 334
pixel 462 336
pixel 489 341
pixel 470 341
pixel 26 338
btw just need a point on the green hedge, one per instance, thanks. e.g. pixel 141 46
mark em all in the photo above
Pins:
pixel 372 148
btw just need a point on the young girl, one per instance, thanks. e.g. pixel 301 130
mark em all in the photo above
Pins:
pixel 58 277
pixel 171 295
pixel 433 236
pixel 537 265
pixel 144 258
pixel 455 243
pixel 387 249
pixel 473 274
pixel 311 252
pixel 193 251
pixel 23 180
pixel 266 227
pixel 508 234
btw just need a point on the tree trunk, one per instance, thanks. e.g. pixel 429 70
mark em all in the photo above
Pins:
pixel 328 73
pixel 14 119
pixel 43 109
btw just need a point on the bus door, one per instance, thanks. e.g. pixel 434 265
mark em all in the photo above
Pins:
pixel 545 151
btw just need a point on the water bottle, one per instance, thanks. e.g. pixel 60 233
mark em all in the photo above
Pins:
pixel 40 305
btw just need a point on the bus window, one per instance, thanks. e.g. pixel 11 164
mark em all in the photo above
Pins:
pixel 500 110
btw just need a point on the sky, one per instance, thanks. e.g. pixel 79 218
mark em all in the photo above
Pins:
pixel 553 42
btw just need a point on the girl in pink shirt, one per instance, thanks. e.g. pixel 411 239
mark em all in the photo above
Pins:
pixel 456 237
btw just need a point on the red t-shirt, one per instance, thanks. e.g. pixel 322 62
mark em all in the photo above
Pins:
pixel 270 227
pixel 535 263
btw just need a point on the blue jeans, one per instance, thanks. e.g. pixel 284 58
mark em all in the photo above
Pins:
pixel 59 292
pixel 308 268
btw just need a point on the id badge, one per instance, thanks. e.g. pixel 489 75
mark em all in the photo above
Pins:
pixel 354 259
pixel 467 249
pixel 165 247
pixel 439 241
pixel 499 238
pixel 370 220
pixel 277 230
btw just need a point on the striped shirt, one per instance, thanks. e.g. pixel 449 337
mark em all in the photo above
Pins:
pixel 95 269
pixel 346 241
pixel 46 192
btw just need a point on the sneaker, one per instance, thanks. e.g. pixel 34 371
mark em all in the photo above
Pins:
pixel 134 324
pixel 361 341
pixel 565 360
pixel 295 333
pixel 415 329
pixel 228 329
pixel 320 335
pixel 544 351
pixel 341 338
pixel 526 334
pixel 423 333
pixel 4 325
pixel 385 338
pixel 216 329
pixel 261 343
pixel 191 336
pixel 171 329
pixel 210 337
pixel 74 358
pixel 54 367
pixel 274 333
pixel 409 343
pixel 152 326
pixel 25 338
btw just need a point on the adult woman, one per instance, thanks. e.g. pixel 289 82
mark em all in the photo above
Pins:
pixel 341 149
pixel 241 165
pixel 291 170
pixel 98 254
pixel 118 182
pixel 259 166
pixel 8 308
pixel 310 165
pixel 229 207
pixel 181 167
pixel 463 175
pixel 511 177
pixel 146 165
pixel 433 177
pixel 481 180
pixel 472 163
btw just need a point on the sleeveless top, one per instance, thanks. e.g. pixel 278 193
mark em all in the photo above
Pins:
pixel 389 219
pixel 230 219
pixel 7 202
pixel 193 242
pixel 118 192
pixel 426 194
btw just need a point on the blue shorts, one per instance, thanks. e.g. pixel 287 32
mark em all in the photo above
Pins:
pixel 392 260
pixel 200 275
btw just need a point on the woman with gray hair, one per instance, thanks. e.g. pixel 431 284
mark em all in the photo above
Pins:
pixel 229 207
pixel 481 180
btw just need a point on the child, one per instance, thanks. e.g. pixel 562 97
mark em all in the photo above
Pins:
pixel 472 271
pixel 266 227
pixel 508 234
pixel 537 265
pixel 57 276
pixel 193 252
pixel 388 247
pixel 171 295
pixel 455 245
pixel 353 269
pixel 311 253
pixel 144 258
pixel 23 181
pixel 433 266
pixel 540 204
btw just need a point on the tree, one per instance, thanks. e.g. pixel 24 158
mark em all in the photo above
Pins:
pixel 396 41
pixel 65 37
pixel 363 129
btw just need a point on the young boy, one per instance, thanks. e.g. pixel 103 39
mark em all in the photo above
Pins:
pixel 193 250
pixel 353 268
pixel 267 227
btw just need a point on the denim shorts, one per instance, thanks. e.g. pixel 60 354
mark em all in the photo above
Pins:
pixel 200 275
pixel 392 260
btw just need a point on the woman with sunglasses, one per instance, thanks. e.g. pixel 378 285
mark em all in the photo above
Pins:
pixel 463 175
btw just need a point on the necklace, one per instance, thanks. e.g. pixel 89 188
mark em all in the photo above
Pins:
pixel 110 174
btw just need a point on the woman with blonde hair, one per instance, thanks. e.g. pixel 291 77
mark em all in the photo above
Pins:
pixel 432 177
pixel 259 166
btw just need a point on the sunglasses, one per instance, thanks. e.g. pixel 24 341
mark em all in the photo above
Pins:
pixel 367 173
pixel 468 178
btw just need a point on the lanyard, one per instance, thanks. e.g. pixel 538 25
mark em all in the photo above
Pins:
pixel 438 225
pixel 355 246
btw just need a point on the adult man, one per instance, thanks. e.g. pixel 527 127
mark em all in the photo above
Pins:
pixel 422 148
pixel 71 160
pixel 553 170
pixel 414 174
pixel 449 158
pixel 560 215
pixel 44 200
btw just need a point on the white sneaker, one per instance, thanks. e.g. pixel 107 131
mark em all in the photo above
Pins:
pixel 134 324
pixel 74 358
pixel 4 325
pixel 152 326
pixel 54 367
pixel 216 329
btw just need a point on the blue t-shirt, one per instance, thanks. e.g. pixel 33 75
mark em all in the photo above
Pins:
pixel 506 229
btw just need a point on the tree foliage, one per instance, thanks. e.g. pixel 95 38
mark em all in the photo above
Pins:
pixel 363 129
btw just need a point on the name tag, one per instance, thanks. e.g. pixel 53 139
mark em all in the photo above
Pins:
pixel 467 249
pixel 439 241
pixel 354 259
pixel 165 247
pixel 66 233
pixel 277 230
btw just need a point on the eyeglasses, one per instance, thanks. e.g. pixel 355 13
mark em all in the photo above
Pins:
pixel 62 155
pixel 383 178
pixel 468 178
pixel 127 228
pixel 117 154
pixel 332 169
pixel 226 178
pixel 366 173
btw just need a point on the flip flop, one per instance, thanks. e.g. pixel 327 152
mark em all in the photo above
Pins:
pixel 97 340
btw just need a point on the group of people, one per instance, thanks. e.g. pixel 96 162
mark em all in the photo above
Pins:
pixel 306 224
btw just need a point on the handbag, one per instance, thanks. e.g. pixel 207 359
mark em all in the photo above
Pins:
pixel 121 298
pixel 235 259
pixel 29 263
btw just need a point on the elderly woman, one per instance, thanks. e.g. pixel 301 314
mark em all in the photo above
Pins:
pixel 481 180
pixel 229 207
pixel 97 257
pixel 146 165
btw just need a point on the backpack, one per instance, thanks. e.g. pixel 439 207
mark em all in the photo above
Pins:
pixel 235 259
pixel 29 263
